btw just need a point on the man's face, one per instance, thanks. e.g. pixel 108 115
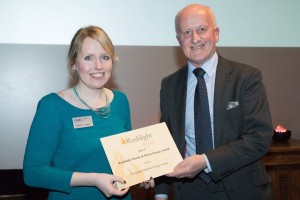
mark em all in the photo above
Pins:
pixel 197 36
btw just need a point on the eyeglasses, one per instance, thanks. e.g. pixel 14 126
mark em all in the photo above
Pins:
pixel 189 32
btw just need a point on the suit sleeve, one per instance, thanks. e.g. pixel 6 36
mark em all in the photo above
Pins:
pixel 247 130
pixel 162 184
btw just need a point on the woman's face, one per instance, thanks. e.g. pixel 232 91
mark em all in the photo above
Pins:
pixel 93 64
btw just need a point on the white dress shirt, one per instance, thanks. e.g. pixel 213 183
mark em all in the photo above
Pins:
pixel 210 68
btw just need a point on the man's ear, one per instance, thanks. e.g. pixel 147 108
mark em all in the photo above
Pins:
pixel 217 33
pixel 178 39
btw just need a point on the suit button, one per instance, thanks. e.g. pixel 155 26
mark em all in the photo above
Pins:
pixel 179 188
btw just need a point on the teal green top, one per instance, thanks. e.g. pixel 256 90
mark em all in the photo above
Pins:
pixel 55 149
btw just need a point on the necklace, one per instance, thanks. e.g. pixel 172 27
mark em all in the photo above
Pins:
pixel 102 112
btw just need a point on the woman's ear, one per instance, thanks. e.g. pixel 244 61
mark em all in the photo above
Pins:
pixel 74 68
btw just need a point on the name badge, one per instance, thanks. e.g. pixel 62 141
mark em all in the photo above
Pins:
pixel 82 122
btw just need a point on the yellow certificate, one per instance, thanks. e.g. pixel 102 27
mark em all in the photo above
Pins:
pixel 140 154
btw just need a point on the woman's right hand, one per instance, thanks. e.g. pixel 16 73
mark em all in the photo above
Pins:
pixel 106 183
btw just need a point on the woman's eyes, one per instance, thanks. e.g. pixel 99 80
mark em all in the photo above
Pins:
pixel 88 58
pixel 103 58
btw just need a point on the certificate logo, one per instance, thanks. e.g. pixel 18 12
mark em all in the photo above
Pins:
pixel 123 141
pixel 136 138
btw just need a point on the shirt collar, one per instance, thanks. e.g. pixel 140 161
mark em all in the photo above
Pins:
pixel 209 66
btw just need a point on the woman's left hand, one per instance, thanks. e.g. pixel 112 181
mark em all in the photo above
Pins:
pixel 148 184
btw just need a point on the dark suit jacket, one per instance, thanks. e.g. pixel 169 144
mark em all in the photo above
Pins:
pixel 242 134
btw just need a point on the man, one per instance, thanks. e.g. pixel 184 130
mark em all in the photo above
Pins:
pixel 240 123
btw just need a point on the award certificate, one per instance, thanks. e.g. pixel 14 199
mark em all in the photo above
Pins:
pixel 140 154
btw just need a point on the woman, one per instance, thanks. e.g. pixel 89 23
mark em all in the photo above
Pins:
pixel 64 153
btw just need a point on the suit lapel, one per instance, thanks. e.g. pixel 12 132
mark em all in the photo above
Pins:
pixel 221 97
pixel 179 96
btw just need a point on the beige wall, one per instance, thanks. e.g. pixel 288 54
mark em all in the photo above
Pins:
pixel 281 74
pixel 29 72
pixel 142 68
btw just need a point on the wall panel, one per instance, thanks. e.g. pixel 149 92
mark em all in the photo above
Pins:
pixel 29 72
